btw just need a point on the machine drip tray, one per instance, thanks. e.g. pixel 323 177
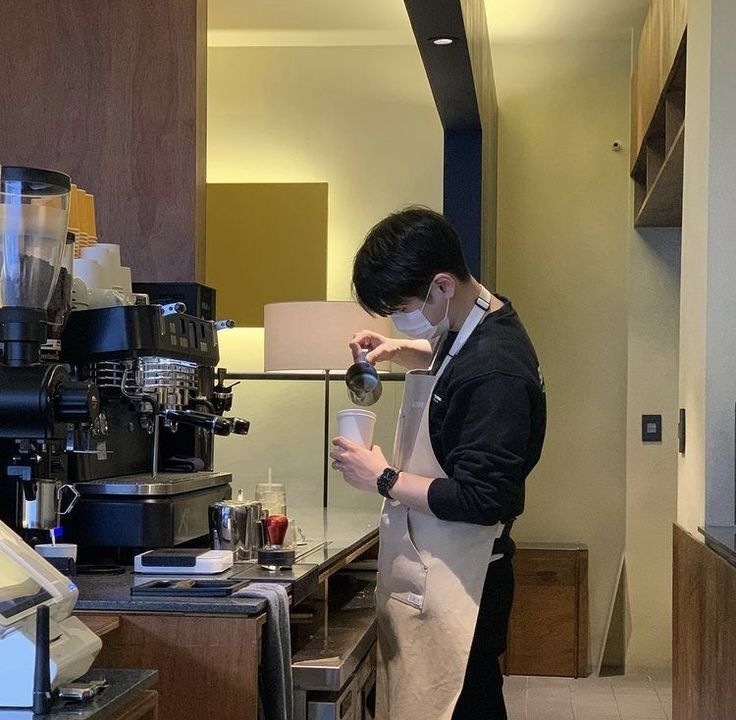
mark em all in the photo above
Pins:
pixel 164 484
pixel 189 587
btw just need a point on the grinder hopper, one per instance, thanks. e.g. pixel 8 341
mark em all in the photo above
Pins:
pixel 34 211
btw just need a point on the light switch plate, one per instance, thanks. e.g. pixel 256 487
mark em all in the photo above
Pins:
pixel 651 428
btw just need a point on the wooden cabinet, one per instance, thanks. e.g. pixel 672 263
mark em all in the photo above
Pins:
pixel 704 632
pixel 659 43
pixel 647 83
pixel 548 630
pixel 207 664
pixel 673 29
pixel 658 115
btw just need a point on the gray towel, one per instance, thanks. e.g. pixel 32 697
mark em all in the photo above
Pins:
pixel 278 686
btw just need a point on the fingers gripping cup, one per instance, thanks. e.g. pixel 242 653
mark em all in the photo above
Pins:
pixel 357 426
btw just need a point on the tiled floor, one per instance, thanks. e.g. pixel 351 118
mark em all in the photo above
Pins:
pixel 626 697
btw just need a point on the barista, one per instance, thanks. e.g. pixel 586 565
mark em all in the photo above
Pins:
pixel 471 429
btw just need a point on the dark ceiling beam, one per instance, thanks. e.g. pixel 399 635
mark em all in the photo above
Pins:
pixel 450 74
pixel 448 67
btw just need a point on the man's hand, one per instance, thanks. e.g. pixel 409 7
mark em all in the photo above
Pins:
pixel 411 354
pixel 359 467
pixel 380 347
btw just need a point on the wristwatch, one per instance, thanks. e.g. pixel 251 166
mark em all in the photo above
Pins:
pixel 386 480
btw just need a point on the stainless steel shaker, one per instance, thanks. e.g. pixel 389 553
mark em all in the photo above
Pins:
pixel 236 525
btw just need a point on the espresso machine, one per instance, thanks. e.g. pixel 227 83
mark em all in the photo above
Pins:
pixel 41 403
pixel 146 473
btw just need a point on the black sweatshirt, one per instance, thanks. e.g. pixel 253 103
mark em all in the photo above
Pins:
pixel 487 421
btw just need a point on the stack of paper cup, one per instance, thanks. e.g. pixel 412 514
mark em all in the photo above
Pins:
pixel 108 258
pixel 357 426
pixel 111 275
pixel 90 271
pixel 126 281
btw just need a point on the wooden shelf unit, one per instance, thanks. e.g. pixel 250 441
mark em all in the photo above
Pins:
pixel 658 168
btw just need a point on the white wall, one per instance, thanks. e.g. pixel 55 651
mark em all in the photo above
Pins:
pixel 563 230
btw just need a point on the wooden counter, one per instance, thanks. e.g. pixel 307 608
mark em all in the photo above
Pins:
pixel 207 650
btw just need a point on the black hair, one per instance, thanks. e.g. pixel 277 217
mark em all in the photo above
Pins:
pixel 401 255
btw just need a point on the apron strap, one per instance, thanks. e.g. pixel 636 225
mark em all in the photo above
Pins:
pixel 475 317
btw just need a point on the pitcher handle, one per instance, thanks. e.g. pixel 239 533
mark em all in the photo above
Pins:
pixel 72 502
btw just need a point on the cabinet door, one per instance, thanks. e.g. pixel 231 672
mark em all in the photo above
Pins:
pixel 674 23
pixel 659 42
pixel 648 70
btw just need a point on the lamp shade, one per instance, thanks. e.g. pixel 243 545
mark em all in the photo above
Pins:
pixel 314 335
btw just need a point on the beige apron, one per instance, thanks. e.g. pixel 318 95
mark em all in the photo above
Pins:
pixel 431 573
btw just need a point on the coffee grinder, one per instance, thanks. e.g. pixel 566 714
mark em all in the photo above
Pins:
pixel 39 401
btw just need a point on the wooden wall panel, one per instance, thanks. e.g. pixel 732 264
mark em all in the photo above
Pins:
pixel 114 94
pixel 270 238
pixel 704 632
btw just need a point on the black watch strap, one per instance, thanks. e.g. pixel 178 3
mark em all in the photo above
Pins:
pixel 386 480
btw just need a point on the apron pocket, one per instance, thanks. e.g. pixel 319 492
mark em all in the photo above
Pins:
pixel 408 585
pixel 412 543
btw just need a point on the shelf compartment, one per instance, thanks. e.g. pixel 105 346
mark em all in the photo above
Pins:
pixel 661 206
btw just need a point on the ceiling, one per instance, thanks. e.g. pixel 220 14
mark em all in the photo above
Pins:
pixel 384 22
pixel 308 22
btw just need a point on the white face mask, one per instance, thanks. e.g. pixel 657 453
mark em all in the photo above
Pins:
pixel 415 323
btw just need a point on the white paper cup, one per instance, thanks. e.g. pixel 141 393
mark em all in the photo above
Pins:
pixel 357 426
pixel 60 550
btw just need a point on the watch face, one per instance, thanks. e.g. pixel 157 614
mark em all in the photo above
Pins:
pixel 386 481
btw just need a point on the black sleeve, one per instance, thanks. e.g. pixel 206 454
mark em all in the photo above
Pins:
pixel 485 436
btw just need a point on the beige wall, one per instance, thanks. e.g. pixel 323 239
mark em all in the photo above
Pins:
pixel 708 338
pixel 563 229
pixel 361 119
pixel 601 302
pixel 691 475
pixel 287 429
pixel 651 468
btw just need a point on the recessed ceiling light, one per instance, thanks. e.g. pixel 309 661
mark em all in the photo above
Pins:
pixel 442 40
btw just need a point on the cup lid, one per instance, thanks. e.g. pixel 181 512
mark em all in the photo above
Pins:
pixel 356 411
